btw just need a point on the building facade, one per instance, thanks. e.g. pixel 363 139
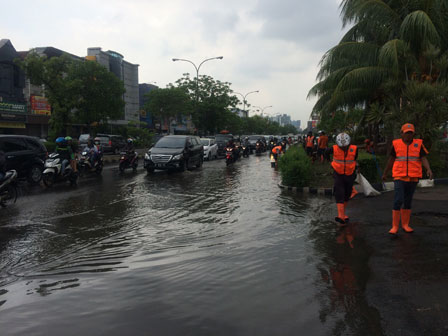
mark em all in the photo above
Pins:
pixel 13 108
pixel 143 90
pixel 125 71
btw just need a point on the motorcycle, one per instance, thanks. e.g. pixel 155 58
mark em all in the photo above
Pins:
pixel 246 151
pixel 128 160
pixel 230 155
pixel 8 188
pixel 85 166
pixel 258 149
pixel 53 171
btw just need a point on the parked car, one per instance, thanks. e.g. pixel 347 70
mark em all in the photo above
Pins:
pixel 24 154
pixel 221 141
pixel 210 148
pixel 177 152
pixel 111 143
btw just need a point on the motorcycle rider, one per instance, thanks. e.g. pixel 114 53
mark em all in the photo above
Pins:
pixel 231 144
pixel 246 145
pixel 92 152
pixel 130 149
pixel 64 151
pixel 73 148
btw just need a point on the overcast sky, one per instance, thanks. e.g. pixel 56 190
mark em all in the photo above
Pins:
pixel 269 45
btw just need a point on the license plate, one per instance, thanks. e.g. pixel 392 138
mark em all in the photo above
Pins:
pixel 160 165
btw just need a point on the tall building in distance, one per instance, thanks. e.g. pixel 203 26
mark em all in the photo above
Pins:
pixel 143 90
pixel 125 71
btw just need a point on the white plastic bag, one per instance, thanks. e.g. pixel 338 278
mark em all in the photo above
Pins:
pixel 365 187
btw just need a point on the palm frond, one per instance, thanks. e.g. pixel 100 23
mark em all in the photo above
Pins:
pixel 418 30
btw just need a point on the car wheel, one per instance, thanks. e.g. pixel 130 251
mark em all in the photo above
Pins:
pixel 48 179
pixel 201 160
pixel 150 170
pixel 35 174
pixel 209 158
pixel 184 165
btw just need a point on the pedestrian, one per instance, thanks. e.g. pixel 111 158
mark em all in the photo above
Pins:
pixel 344 165
pixel 309 144
pixel 407 157
pixel 322 145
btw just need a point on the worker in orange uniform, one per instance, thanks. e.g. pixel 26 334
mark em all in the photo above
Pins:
pixel 322 145
pixel 276 151
pixel 406 160
pixel 344 165
pixel 310 143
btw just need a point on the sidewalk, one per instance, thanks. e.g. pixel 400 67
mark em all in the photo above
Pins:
pixel 408 280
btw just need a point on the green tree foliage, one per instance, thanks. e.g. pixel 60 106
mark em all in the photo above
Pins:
pixel 79 91
pixel 213 102
pixel 168 104
pixel 393 63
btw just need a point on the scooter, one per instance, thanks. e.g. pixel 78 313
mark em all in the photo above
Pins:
pixel 230 155
pixel 128 160
pixel 258 149
pixel 53 171
pixel 8 188
pixel 246 151
pixel 85 166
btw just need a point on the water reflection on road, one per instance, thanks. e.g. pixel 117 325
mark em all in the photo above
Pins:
pixel 216 251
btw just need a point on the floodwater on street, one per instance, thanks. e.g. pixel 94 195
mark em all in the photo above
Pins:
pixel 213 251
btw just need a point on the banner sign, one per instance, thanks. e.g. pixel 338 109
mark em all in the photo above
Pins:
pixel 40 105
pixel 12 108
pixel 12 117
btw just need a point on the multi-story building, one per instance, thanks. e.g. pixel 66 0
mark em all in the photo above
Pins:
pixel 13 108
pixel 143 90
pixel 125 71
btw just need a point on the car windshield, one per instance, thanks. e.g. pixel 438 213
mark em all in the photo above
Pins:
pixel 254 137
pixel 205 142
pixel 223 138
pixel 84 137
pixel 167 142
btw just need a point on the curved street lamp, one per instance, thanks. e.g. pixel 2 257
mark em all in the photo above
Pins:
pixel 197 72
pixel 263 108
pixel 244 97
pixel 197 69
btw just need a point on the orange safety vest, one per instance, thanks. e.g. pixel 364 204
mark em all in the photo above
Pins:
pixel 323 141
pixel 407 161
pixel 310 141
pixel 344 161
pixel 277 149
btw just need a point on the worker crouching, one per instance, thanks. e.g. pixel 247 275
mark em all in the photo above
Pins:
pixel 406 159
pixel 344 165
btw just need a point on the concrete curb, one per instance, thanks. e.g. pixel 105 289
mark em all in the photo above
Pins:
pixel 309 190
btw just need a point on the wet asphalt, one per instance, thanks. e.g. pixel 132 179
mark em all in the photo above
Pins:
pixel 217 251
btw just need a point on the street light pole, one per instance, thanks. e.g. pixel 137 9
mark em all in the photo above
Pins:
pixel 197 72
pixel 244 97
pixel 263 108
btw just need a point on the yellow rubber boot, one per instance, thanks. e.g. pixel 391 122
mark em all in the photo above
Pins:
pixel 341 214
pixel 405 219
pixel 395 221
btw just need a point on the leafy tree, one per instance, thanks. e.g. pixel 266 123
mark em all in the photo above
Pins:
pixel 213 101
pixel 168 104
pixel 394 54
pixel 77 90
pixel 99 92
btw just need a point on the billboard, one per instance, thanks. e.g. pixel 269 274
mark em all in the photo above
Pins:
pixel 12 108
pixel 40 105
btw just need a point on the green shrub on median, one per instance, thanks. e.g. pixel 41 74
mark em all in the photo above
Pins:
pixel 295 168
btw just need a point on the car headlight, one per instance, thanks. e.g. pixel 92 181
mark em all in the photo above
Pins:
pixel 146 156
pixel 177 157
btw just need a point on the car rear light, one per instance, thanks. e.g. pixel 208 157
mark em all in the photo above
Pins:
pixel 110 142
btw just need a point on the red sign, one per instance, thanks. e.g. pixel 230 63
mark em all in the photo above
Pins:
pixel 40 105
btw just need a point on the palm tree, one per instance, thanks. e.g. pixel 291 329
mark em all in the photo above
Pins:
pixel 391 47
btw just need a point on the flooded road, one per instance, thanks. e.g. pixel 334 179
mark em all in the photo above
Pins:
pixel 216 251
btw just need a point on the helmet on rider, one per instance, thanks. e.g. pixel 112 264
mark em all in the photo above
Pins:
pixel 130 141
pixel 68 138
pixel 61 141
pixel 343 140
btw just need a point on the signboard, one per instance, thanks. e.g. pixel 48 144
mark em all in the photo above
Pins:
pixel 12 108
pixel 40 105
pixel 314 123
pixel 12 117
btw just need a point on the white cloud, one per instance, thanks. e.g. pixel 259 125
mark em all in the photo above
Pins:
pixel 273 46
